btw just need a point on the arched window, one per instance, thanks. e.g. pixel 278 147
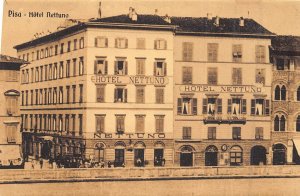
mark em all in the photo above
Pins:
pixel 236 155
pixel 276 123
pixel 277 93
pixel 283 93
pixel 298 94
pixel 298 123
pixel 282 123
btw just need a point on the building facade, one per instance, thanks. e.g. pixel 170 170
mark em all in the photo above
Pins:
pixel 285 55
pixel 10 137
pixel 222 92
pixel 100 90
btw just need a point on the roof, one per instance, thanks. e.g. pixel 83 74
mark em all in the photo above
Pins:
pixel 9 59
pixel 286 43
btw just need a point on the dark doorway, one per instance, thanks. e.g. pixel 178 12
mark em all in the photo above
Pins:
pixel 139 157
pixel 211 156
pixel 158 157
pixel 279 154
pixel 258 155
pixel 46 150
pixel 119 157
pixel 186 159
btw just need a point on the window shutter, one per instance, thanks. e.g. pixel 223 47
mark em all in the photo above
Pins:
pixel 116 98
pixel 155 44
pixel 96 42
pixel 116 43
pixel 125 95
pixel 154 69
pixel 219 104
pixel 106 42
pixel 105 67
pixel 179 106
pixel 252 106
pixel 142 67
pixel 165 69
pixel 194 106
pixel 229 105
pixel 126 67
pixel 95 66
pixel 165 44
pixel 204 106
pixel 126 43
pixel 116 67
pixel 239 75
pixel 267 107
pixel 244 106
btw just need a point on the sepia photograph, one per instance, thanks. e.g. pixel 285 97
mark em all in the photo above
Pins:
pixel 148 98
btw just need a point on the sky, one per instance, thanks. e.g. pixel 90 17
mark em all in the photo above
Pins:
pixel 279 16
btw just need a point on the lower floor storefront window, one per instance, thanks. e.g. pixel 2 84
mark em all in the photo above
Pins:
pixel 236 156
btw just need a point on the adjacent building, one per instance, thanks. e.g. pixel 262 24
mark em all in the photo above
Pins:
pixel 10 137
pixel 285 55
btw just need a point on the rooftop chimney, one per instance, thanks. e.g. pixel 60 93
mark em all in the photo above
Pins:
pixel 134 15
pixel 217 21
pixel 130 12
pixel 209 16
pixel 168 18
pixel 242 22
pixel 156 12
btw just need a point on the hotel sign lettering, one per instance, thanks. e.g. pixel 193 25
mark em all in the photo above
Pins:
pixel 142 80
pixel 221 89
pixel 130 135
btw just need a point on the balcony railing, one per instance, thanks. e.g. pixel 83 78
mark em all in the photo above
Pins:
pixel 224 119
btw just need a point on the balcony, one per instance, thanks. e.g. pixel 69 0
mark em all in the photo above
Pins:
pixel 224 119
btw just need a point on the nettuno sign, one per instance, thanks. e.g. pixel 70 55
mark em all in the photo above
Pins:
pixel 142 80
pixel 221 89
pixel 130 135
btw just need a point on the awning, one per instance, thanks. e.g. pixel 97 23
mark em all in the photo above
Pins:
pixel 297 145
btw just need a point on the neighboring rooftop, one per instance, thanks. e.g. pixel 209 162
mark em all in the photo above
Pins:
pixel 9 59
pixel 286 43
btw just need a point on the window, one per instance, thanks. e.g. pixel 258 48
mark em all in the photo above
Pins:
pixel 259 133
pixel 50 76
pixel 140 94
pixel 280 93
pixel 81 66
pixel 279 123
pixel 61 48
pixel 60 123
pixel 42 54
pixel 260 54
pixel 49 96
pixel 68 94
pixel 100 93
pixel 187 51
pixel 237 53
pixel 212 76
pixel 32 56
pixel 37 76
pixel 236 156
pixel 237 106
pixel 140 43
pixel 236 133
pixel 74 67
pixel 121 67
pixel 159 123
pixel 46 72
pixel 68 69
pixel 236 76
pixel 186 133
pixel 73 124
pixel 80 93
pixel 140 66
pixel 100 67
pixel 55 71
pixel 75 44
pixel 212 106
pixel 74 93
pixel 32 74
pixel 37 55
pixel 69 46
pixel 120 124
pixel 81 43
pixel 41 97
pixel 260 107
pixel 160 68
pixel 55 95
pixel 187 75
pixel 36 97
pixel 61 70
pixel 60 95
pixel 187 106
pixel 101 42
pixel 26 97
pixel 22 96
pixel 11 133
pixel 46 52
pixel 260 75
pixel 212 52
pixel 31 97
pixel 211 133
pixel 12 104
pixel 45 96
pixel 55 50
pixel 50 51
pixel 80 124
pixel 120 94
pixel 121 43
pixel 139 123
pixel 100 122
pixel 12 76
pixel 160 44
pixel 67 124
pixel 298 123
pixel 159 95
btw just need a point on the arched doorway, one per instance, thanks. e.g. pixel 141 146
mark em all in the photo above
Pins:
pixel 159 159
pixel 99 152
pixel 258 155
pixel 119 154
pixel 211 156
pixel 139 154
pixel 279 154
pixel 236 156
pixel 186 156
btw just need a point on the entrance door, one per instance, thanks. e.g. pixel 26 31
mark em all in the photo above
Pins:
pixel 211 158
pixel 139 157
pixel 45 150
pixel 186 159
pixel 279 154
pixel 258 155
pixel 158 157
pixel 119 157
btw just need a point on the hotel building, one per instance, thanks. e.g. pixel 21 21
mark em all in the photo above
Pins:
pixel 222 92
pixel 100 90
pixel 285 55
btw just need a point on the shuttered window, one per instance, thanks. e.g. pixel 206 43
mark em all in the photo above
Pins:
pixel 100 93
pixel 160 68
pixel 259 133
pixel 101 42
pixel 121 67
pixel 187 51
pixel 186 133
pixel 81 43
pixel 187 106
pixel 81 66
pixel 67 69
pixel 67 124
pixel 100 120
pixel 121 43
pixel 219 106
pixel 11 133
pixel 140 94
pixel 140 43
pixel 236 76
pixel 260 75
pixel 211 133
pixel 159 123
pixel 244 106
pixel 236 133
pixel 139 123
pixel 237 53
pixel 260 54
pixel 120 123
pixel 159 95
pixel 120 94
pixel 11 104
pixel 100 67
pixel 187 75
pixel 204 106
pixel 212 78
pixel 140 66
pixel 212 50
pixel 160 44
pixel 68 94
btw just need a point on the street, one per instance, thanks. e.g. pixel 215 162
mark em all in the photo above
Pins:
pixel 254 186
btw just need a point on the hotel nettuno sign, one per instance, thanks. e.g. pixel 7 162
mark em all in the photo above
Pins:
pixel 221 89
pixel 142 80
pixel 130 135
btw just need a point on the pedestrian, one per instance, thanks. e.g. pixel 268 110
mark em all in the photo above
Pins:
pixel 41 163
pixel 102 163
pixel 32 164
pixel 109 164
